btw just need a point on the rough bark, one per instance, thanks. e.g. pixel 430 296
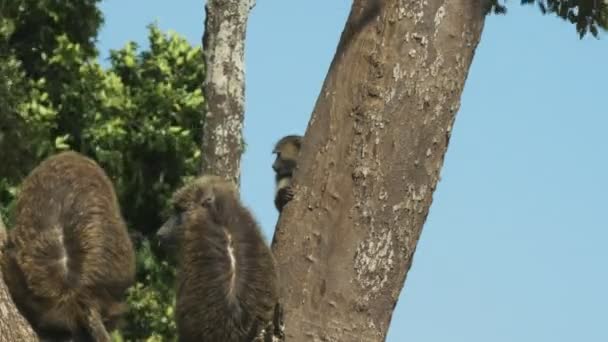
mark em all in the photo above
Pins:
pixel 224 86
pixel 371 159
pixel 13 327
pixel 224 89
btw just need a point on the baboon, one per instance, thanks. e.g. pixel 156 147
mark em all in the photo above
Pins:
pixel 287 150
pixel 69 260
pixel 226 280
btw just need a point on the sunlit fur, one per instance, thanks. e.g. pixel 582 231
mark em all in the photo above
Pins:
pixel 227 283
pixel 69 260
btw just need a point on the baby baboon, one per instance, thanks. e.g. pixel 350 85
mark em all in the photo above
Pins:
pixel 227 282
pixel 69 259
pixel 287 150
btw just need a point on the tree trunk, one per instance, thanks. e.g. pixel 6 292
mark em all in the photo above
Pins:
pixel 224 86
pixel 370 162
pixel 13 327
pixel 224 89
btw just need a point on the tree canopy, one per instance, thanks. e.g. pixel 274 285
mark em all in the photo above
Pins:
pixel 140 118
pixel 588 16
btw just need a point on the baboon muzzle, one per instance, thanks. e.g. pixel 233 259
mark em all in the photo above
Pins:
pixel 167 235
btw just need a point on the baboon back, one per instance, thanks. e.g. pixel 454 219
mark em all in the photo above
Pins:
pixel 69 257
pixel 215 305
pixel 227 282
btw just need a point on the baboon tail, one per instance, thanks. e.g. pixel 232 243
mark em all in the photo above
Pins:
pixel 50 264
pixel 92 329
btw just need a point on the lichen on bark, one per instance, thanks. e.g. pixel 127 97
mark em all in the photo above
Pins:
pixel 224 86
pixel 370 161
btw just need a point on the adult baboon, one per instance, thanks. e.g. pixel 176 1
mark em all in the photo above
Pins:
pixel 69 260
pixel 227 282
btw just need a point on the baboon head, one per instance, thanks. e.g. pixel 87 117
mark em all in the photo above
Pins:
pixel 287 150
pixel 206 198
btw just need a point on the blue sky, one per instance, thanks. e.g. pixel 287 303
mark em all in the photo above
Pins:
pixel 515 246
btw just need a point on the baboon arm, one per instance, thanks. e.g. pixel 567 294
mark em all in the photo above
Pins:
pixel 284 195
pixel 94 329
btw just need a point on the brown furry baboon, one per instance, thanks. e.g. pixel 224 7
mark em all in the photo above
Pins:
pixel 287 150
pixel 69 260
pixel 227 282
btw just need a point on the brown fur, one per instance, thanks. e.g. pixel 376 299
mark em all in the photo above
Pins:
pixel 287 150
pixel 69 259
pixel 227 282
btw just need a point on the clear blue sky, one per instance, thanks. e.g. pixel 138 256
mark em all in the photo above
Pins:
pixel 515 248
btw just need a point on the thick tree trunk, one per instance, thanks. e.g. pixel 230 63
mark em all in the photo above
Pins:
pixel 13 327
pixel 224 86
pixel 370 162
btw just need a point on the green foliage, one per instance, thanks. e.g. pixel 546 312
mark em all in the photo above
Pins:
pixel 151 300
pixel 586 15
pixel 140 118
pixel 27 118
pixel 165 110
pixel 35 25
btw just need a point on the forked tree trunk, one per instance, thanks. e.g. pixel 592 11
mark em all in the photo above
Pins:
pixel 371 159
pixel 13 327
pixel 224 86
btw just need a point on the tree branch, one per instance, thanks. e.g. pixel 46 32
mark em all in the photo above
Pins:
pixel 224 86
pixel 13 327
pixel 370 162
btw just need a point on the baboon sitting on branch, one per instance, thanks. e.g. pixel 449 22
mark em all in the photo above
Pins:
pixel 69 260
pixel 227 282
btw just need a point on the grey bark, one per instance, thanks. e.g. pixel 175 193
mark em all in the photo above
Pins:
pixel 13 327
pixel 224 86
pixel 224 89
pixel 371 159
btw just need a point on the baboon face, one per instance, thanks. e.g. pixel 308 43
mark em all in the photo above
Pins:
pixel 168 234
pixel 287 151
pixel 207 198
